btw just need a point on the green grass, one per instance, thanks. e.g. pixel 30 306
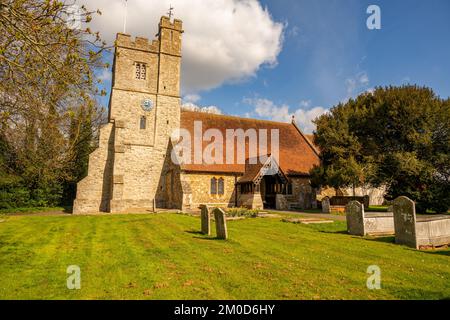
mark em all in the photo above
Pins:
pixel 31 210
pixel 378 208
pixel 312 210
pixel 163 257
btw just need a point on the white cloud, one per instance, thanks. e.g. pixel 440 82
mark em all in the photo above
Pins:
pixel 190 103
pixel 105 75
pixel 305 103
pixel 356 84
pixel 370 90
pixel 193 107
pixel 192 98
pixel 224 40
pixel 304 118
pixel 364 79
pixel 267 109
pixel 293 32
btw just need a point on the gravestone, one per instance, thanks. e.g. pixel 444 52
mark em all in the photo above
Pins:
pixel 326 207
pixel 206 220
pixel 355 218
pixel 221 224
pixel 405 221
pixel 421 233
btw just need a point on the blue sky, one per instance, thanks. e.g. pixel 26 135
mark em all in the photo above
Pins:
pixel 329 55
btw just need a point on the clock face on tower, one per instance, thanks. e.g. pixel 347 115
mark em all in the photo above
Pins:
pixel 147 105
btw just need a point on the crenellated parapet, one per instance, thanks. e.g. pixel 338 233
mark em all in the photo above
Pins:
pixel 175 25
pixel 139 43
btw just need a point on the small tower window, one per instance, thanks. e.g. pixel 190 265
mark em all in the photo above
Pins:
pixel 143 123
pixel 141 71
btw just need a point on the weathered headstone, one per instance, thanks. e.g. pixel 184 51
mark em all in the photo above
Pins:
pixel 405 221
pixel 326 207
pixel 206 220
pixel 355 218
pixel 221 224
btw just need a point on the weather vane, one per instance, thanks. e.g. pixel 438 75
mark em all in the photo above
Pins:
pixel 170 13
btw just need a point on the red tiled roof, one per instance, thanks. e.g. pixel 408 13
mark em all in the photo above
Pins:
pixel 297 153
pixel 310 137
pixel 251 171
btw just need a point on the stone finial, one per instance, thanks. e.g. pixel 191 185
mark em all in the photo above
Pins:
pixel 221 224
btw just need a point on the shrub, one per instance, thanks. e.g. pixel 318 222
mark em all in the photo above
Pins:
pixel 242 212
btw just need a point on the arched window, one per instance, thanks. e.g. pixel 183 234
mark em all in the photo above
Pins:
pixel 143 123
pixel 213 186
pixel 221 187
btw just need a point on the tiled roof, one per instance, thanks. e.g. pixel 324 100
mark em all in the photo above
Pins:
pixel 297 154
pixel 251 171
pixel 311 139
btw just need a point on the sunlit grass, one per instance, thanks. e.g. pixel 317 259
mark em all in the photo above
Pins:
pixel 163 257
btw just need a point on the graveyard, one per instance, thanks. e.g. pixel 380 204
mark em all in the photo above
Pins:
pixel 166 256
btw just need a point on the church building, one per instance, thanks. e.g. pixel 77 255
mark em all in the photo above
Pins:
pixel 132 170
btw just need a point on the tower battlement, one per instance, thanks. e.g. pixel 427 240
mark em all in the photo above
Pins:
pixel 166 23
pixel 139 43
pixel 142 43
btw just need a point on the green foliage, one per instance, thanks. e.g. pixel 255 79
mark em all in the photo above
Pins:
pixel 29 210
pixel 242 212
pixel 49 117
pixel 395 136
pixel 12 192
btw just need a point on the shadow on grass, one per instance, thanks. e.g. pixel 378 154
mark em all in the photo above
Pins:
pixel 209 238
pixel 194 232
pixel 334 231
pixel 442 252
pixel 202 236
pixel 384 239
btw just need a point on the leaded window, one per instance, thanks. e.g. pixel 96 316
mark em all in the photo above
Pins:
pixel 213 186
pixel 221 187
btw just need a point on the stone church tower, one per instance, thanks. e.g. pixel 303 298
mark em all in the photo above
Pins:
pixel 126 171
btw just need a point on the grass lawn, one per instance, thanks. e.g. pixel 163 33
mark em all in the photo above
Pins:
pixel 163 257
pixel 32 210
pixel 378 209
